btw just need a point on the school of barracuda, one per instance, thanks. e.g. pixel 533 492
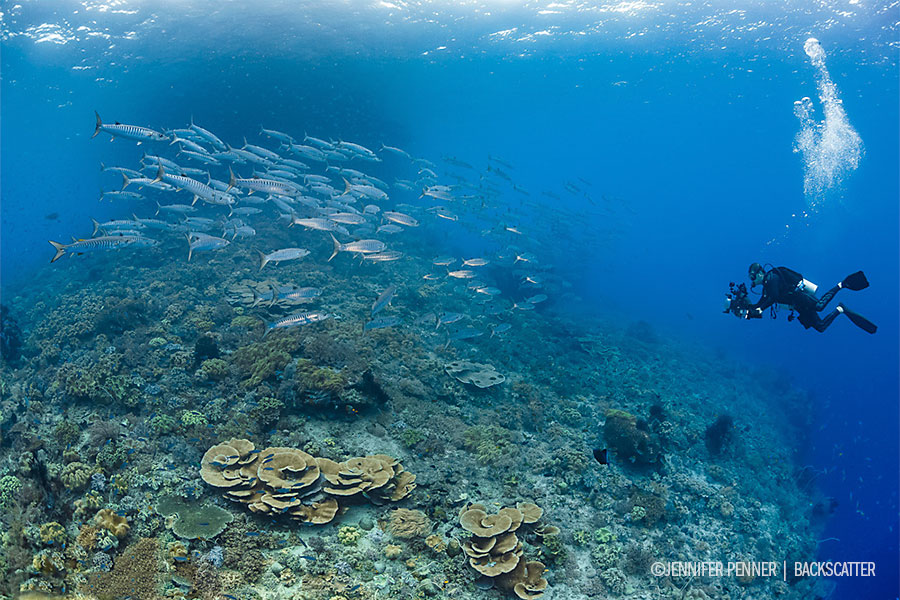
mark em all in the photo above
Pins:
pixel 193 181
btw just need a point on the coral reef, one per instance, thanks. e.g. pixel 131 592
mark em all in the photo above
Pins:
pixel 113 523
pixel 194 521
pixel 494 550
pixel 718 435
pixel 630 441
pixel 404 523
pixel 134 574
pixel 260 361
pixel 289 481
pixel 477 374
pixel 10 336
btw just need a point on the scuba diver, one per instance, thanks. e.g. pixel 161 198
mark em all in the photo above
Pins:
pixel 781 285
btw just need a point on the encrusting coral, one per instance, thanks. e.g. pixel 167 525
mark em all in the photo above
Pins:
pixel 287 480
pixel 495 551
pixel 134 574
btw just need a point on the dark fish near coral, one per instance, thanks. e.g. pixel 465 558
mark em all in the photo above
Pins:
pixel 601 454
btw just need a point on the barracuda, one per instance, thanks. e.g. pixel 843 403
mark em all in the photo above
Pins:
pixel 106 242
pixel 400 218
pixel 281 255
pixel 304 318
pixel 131 132
pixel 198 189
pixel 208 136
pixel 267 186
pixel 360 247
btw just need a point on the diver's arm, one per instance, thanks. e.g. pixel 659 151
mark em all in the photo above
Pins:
pixel 769 294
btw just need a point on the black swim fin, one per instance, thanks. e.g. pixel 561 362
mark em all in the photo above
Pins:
pixel 859 320
pixel 856 281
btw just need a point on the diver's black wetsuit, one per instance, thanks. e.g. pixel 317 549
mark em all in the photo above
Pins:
pixel 782 285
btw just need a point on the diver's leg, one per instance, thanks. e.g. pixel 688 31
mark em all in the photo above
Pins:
pixel 822 302
pixel 823 324
pixel 858 320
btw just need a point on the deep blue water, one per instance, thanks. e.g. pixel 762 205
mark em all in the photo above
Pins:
pixel 695 137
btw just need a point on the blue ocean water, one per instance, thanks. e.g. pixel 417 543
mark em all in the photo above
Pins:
pixel 674 122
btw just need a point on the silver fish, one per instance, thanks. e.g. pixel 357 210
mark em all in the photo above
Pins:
pixel 201 241
pixel 366 191
pixel 386 256
pixel 131 132
pixel 208 136
pixel 242 231
pixel 189 144
pixel 384 299
pixel 267 186
pixel 179 209
pixel 114 224
pixel 316 223
pixel 500 329
pixel 106 242
pixel 475 262
pixel 360 246
pixel 490 291
pixel 124 171
pixel 120 196
pixel 281 255
pixel 396 151
pixel 400 218
pixel 391 229
pixel 462 274
pixel 146 181
pixel 447 318
pixel 296 320
pixel 463 334
pixel 260 151
pixel 291 293
pixel 281 137
pixel 246 211
pixel 347 218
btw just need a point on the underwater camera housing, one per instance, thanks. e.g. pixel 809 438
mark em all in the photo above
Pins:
pixel 736 301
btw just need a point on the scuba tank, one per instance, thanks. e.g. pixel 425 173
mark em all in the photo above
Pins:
pixel 807 286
